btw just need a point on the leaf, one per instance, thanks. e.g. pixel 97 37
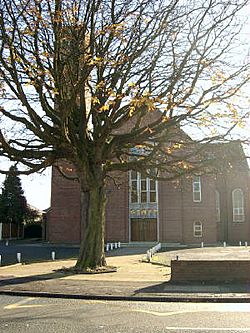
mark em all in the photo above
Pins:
pixel 104 108
pixel 95 100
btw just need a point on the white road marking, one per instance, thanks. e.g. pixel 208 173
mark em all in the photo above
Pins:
pixel 173 313
pixel 22 304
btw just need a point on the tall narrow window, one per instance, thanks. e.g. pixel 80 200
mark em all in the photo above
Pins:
pixel 134 186
pixel 144 188
pixel 217 205
pixel 152 189
pixel 196 189
pixel 197 229
pixel 238 205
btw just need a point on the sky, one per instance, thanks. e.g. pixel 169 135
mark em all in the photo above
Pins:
pixel 37 187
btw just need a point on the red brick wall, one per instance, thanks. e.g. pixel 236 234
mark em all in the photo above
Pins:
pixel 203 211
pixel 230 231
pixel 64 217
pixel 170 212
pixel 178 212
pixel 209 270
pixel 117 210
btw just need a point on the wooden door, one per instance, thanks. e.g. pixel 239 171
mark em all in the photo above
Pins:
pixel 144 230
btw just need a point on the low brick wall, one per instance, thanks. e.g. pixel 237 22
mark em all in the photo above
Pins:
pixel 210 270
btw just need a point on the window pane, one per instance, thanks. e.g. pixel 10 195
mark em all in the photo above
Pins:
pixel 133 174
pixel 238 218
pixel 197 196
pixel 152 196
pixel 143 196
pixel 152 185
pixel 196 187
pixel 144 185
pixel 134 185
pixel 134 196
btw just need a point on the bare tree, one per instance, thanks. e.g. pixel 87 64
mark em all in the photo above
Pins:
pixel 108 86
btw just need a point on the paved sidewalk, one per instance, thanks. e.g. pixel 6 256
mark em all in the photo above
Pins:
pixel 134 280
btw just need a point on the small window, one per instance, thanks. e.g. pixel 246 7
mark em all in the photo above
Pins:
pixel 197 229
pixel 238 205
pixel 197 189
pixel 217 205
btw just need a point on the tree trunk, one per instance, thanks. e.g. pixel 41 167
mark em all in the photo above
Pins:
pixel 93 205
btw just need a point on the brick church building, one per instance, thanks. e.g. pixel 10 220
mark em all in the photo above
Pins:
pixel 191 210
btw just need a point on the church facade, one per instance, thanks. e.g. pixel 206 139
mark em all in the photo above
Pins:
pixel 190 210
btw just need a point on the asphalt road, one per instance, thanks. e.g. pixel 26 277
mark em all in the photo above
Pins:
pixel 34 252
pixel 25 314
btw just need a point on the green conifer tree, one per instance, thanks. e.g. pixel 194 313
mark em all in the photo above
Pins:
pixel 13 204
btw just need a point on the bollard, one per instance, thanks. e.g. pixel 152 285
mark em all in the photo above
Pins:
pixel 202 244
pixel 245 244
pixel 7 243
pixel 148 256
pixel 111 246
pixel 239 243
pixel 177 257
pixel 18 257
pixel 116 246
pixel 119 244
pixel 107 247
pixel 53 255
pixel 224 244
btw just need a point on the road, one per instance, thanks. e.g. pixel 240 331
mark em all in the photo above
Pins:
pixel 26 314
pixel 34 252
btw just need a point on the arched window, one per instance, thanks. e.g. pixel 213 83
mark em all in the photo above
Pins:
pixel 238 205
pixel 197 229
pixel 217 205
